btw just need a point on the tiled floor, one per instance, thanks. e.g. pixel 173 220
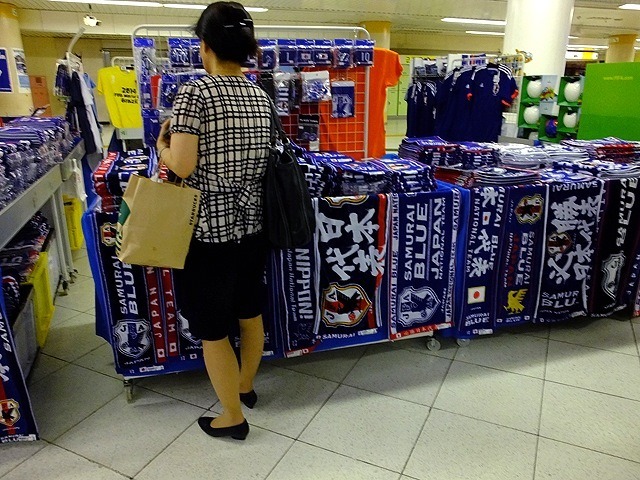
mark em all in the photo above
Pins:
pixel 560 403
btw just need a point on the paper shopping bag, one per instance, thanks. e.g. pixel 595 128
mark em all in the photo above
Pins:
pixel 156 223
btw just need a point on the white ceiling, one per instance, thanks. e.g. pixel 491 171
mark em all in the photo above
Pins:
pixel 593 20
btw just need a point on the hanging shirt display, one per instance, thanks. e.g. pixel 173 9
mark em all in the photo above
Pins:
pixel 421 102
pixel 470 102
pixel 87 122
pixel 493 89
pixel 385 73
pixel 120 92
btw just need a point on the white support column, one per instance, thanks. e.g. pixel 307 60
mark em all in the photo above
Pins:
pixel 542 28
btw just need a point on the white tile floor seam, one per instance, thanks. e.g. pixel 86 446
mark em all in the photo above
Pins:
pixel 426 419
pixel 162 451
pixel 404 468
pixel 82 456
pixel 546 362
pixel 593 391
pixel 544 437
pixel 596 348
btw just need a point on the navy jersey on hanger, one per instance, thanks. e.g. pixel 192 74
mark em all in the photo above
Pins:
pixel 459 108
pixel 493 90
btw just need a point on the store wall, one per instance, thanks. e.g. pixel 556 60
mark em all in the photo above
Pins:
pixel 42 53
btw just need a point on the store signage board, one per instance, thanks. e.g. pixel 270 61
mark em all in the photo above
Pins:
pixel 5 73
pixel 24 85
pixel 581 56
pixel 611 101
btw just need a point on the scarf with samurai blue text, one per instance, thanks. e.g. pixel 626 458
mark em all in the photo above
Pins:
pixel 485 232
pixel 573 219
pixel 424 229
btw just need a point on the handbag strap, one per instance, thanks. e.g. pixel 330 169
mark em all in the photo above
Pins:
pixel 277 132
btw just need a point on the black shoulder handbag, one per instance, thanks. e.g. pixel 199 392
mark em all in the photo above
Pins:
pixel 288 211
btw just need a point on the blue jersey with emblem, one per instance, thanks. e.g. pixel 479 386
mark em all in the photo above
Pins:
pixel 492 90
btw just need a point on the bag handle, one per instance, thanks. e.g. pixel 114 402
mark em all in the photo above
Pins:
pixel 156 174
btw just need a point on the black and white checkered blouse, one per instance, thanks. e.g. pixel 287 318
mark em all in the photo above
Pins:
pixel 232 118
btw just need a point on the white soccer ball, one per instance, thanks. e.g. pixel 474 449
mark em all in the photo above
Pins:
pixel 570 119
pixel 572 91
pixel 531 114
pixel 534 88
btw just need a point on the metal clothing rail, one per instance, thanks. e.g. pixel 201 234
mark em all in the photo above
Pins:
pixel 158 30
pixel 122 62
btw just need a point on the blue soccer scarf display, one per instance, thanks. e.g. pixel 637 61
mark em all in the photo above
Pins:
pixel 486 227
pixel 136 309
pixel 521 253
pixel 352 245
pixel 424 229
pixel 615 245
pixel 295 282
pixel 17 423
pixel 573 218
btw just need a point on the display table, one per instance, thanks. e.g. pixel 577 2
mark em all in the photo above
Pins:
pixel 45 192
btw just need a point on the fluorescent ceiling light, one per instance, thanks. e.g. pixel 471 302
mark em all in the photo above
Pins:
pixel 572 37
pixel 198 6
pixel 126 3
pixel 475 21
pixel 630 6
pixel 588 47
pixel 189 6
pixel 480 32
pixel 144 3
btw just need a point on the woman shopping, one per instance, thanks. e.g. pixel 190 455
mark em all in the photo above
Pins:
pixel 219 143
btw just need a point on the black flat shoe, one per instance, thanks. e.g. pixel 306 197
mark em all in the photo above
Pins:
pixel 249 399
pixel 237 432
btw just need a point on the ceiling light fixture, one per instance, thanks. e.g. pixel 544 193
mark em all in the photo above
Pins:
pixel 630 6
pixel 588 47
pixel 480 32
pixel 186 6
pixel 474 21
pixel 197 6
pixel 572 37
pixel 125 3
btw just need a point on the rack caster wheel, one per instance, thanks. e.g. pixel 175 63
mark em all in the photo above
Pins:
pixel 463 342
pixel 128 390
pixel 433 345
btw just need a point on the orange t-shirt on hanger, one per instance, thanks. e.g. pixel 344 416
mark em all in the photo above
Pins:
pixel 385 73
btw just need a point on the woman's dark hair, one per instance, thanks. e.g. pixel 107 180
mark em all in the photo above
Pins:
pixel 227 28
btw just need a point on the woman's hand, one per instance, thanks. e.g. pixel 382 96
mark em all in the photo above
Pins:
pixel 164 140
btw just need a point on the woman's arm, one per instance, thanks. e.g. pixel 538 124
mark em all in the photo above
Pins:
pixel 180 153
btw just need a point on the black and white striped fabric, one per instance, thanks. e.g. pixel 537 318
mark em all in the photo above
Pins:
pixel 232 119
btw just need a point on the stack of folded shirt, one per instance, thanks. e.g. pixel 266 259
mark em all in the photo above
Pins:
pixel 475 155
pixel 522 156
pixel 409 176
pixel 563 176
pixel 504 176
pixel 601 169
pixel 487 176
pixel 111 177
pixel 610 148
pixel 430 150
pixel 22 252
